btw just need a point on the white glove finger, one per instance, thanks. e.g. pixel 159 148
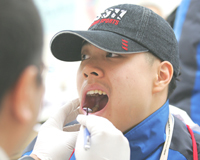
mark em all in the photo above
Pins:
pixel 95 123
pixel 81 119
pixel 80 138
pixel 66 114
pixel 72 140
pixel 72 128
pixel 71 110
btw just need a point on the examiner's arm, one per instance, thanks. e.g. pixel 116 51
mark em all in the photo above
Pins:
pixel 54 142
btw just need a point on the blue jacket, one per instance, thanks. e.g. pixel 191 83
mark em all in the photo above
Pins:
pixel 147 138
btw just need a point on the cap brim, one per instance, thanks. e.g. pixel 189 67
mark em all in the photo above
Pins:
pixel 66 45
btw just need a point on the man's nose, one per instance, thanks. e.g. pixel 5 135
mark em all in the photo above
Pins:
pixel 90 71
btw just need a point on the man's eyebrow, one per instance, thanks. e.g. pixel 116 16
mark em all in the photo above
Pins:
pixel 84 42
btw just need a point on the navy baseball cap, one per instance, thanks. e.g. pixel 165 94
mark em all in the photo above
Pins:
pixel 121 29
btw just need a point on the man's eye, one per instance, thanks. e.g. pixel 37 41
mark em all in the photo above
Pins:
pixel 84 57
pixel 112 55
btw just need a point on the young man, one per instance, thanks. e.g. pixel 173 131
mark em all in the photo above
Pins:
pixel 21 87
pixel 129 67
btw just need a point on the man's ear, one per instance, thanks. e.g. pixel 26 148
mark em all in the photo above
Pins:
pixel 163 77
pixel 22 94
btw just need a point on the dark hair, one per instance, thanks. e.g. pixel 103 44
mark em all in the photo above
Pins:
pixel 170 19
pixel 172 84
pixel 21 40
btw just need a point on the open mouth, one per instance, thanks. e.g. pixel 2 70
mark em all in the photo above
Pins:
pixel 95 100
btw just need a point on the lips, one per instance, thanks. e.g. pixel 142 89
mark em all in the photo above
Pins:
pixel 96 100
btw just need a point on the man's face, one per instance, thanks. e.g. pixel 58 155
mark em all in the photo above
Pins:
pixel 115 86
pixel 37 91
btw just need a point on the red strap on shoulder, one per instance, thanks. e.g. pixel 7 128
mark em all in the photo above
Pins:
pixel 71 154
pixel 195 151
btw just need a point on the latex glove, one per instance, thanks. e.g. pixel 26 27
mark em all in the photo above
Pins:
pixel 107 142
pixel 52 142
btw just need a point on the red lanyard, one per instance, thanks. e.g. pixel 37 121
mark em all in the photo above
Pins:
pixel 195 152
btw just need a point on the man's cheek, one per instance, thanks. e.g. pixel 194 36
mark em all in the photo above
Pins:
pixel 78 83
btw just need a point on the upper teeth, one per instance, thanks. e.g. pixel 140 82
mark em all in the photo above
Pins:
pixel 92 92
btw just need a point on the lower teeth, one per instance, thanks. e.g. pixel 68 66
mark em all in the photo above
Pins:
pixel 95 108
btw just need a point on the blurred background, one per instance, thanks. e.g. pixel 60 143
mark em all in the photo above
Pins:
pixel 60 77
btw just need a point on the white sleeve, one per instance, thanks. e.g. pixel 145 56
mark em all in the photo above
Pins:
pixel 184 117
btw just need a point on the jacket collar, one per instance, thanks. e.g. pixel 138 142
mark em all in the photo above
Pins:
pixel 147 136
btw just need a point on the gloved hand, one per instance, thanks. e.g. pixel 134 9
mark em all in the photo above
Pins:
pixel 107 142
pixel 53 142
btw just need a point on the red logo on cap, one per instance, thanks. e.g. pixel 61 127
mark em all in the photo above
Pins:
pixel 124 44
pixel 111 15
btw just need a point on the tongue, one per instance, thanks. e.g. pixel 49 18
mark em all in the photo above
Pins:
pixel 96 103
